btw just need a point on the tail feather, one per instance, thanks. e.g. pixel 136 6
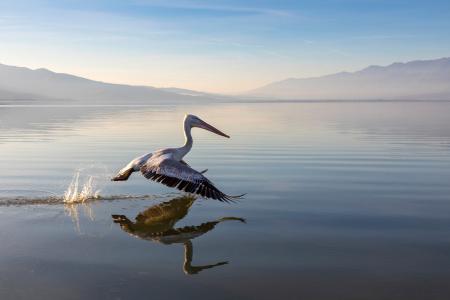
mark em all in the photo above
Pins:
pixel 123 175
pixel 120 219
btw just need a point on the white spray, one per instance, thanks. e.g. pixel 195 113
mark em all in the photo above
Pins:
pixel 79 192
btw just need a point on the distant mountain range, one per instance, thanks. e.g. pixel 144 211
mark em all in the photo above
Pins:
pixel 415 80
pixel 23 84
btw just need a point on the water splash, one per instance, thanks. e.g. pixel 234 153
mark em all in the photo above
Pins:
pixel 58 200
pixel 85 186
pixel 79 191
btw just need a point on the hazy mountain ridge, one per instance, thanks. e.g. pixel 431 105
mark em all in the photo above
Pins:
pixel 42 84
pixel 415 80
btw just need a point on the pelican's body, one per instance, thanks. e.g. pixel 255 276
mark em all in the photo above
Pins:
pixel 167 166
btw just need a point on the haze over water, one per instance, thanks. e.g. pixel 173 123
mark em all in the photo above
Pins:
pixel 344 201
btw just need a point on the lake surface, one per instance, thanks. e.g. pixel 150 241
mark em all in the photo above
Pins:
pixel 344 201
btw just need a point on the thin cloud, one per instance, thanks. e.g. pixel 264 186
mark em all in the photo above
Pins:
pixel 220 8
pixel 382 37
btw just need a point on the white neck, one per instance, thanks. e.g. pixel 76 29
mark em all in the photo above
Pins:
pixel 188 140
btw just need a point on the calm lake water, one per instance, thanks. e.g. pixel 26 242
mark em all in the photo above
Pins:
pixel 344 201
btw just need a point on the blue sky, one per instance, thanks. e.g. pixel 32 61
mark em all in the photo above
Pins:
pixel 219 46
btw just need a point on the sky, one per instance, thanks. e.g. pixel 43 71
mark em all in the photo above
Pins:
pixel 219 46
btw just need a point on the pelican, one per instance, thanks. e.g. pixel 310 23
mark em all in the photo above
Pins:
pixel 167 166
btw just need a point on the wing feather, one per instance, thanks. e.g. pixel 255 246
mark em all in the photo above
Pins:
pixel 173 173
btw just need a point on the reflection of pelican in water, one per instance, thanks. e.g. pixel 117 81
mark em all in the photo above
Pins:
pixel 157 222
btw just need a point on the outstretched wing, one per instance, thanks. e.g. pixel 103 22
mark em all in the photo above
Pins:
pixel 173 173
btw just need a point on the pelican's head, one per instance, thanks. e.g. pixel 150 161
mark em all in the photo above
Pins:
pixel 194 121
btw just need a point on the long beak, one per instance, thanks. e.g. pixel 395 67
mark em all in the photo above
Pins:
pixel 213 129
